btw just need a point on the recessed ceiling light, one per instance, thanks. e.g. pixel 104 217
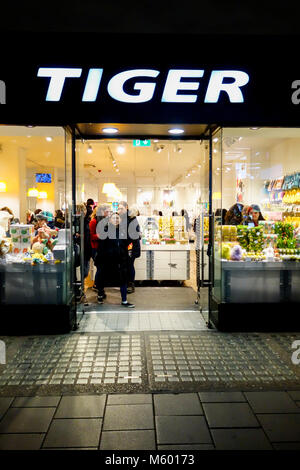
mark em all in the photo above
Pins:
pixel 176 131
pixel 110 130
pixel 121 149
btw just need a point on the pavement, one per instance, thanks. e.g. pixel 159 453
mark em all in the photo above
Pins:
pixel 151 390
pixel 160 421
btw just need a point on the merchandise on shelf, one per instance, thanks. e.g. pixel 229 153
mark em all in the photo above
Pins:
pixel 242 236
pixel 164 230
pixel 229 233
pixel 21 236
pixel 291 197
pixel 256 239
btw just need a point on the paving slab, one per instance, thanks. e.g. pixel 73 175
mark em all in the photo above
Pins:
pixel 226 397
pixel 81 406
pixel 294 394
pixel 229 415
pixel 281 427
pixel 31 420
pixel 286 445
pixel 128 440
pixel 129 399
pixel 186 447
pixel 73 433
pixel 35 402
pixel 240 439
pixel 177 404
pixel 21 441
pixel 271 402
pixel 182 430
pixel 128 417
pixel 5 403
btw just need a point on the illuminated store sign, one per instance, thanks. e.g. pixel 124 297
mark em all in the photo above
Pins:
pixel 228 82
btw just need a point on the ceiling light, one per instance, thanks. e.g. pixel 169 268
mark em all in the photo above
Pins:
pixel 49 139
pixel 32 192
pixel 89 150
pixel 254 128
pixel 42 195
pixel 121 149
pixel 176 131
pixel 110 130
pixel 3 187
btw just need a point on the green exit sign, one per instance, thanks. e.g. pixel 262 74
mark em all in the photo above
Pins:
pixel 141 143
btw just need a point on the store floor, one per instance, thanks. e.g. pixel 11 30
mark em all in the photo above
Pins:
pixel 156 309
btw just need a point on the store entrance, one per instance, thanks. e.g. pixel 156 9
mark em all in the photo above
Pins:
pixel 161 188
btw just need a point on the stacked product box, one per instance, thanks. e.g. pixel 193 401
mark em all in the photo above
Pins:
pixel 21 236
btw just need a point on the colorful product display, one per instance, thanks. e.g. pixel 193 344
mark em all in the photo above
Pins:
pixel 163 230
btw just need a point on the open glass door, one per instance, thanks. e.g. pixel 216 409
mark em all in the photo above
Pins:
pixel 215 222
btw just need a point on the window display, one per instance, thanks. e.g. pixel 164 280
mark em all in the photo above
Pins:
pixel 257 249
pixel 33 269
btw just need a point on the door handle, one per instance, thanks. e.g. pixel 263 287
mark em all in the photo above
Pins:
pixel 172 265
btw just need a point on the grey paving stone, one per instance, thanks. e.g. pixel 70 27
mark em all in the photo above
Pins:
pixel 21 441
pixel 240 439
pixel 222 415
pixel 128 440
pixel 31 420
pixel 35 402
pixel 5 403
pixel 177 404
pixel 281 427
pixel 227 397
pixel 74 433
pixel 126 417
pixel 186 447
pixel 182 430
pixel 295 395
pixel 81 406
pixel 286 445
pixel 271 402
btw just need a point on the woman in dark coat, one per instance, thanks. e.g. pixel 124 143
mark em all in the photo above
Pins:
pixel 112 257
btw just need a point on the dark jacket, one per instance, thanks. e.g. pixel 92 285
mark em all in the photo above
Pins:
pixel 112 257
pixel 136 244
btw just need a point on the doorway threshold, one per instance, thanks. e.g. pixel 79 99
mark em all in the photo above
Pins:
pixel 141 320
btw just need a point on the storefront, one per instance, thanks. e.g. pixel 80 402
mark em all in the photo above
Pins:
pixel 237 142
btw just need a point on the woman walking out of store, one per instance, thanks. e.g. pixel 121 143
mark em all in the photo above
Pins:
pixel 134 247
pixel 98 214
pixel 112 258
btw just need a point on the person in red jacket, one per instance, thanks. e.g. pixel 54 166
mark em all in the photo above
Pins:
pixel 98 214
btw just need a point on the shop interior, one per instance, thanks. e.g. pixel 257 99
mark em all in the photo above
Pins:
pixel 158 179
